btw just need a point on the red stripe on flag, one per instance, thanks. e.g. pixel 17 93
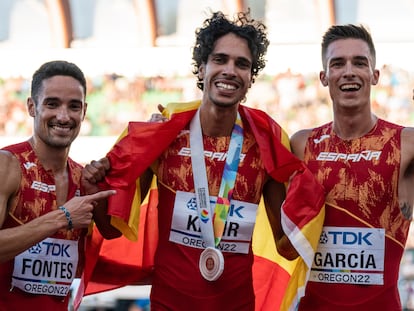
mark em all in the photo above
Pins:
pixel 270 282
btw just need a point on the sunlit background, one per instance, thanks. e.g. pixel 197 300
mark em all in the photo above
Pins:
pixel 137 54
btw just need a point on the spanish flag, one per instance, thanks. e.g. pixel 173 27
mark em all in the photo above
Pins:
pixel 279 284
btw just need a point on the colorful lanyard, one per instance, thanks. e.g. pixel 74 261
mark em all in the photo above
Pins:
pixel 212 233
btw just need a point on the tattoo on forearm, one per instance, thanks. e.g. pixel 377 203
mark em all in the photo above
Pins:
pixel 406 210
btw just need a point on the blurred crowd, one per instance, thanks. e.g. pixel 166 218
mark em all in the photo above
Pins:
pixel 295 100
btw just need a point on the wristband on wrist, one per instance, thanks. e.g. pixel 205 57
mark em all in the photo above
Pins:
pixel 67 215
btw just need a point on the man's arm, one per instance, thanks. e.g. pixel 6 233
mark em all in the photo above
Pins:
pixel 15 240
pixel 298 143
pixel 274 194
pixel 406 179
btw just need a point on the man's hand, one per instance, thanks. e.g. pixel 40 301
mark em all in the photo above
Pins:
pixel 81 208
pixel 158 117
pixel 94 173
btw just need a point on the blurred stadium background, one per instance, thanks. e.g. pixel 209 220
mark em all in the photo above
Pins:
pixel 137 54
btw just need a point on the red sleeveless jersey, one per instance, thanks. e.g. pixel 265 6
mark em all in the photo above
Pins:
pixel 36 197
pixel 357 263
pixel 177 283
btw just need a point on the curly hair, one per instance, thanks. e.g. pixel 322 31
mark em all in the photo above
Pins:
pixel 218 25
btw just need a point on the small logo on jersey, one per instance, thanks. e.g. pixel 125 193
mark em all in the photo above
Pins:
pixel 35 249
pixel 322 138
pixel 218 156
pixel 28 165
pixel 365 155
pixel 43 187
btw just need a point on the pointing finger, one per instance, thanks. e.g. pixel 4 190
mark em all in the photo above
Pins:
pixel 101 195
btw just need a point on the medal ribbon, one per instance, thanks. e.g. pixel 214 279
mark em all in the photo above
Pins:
pixel 212 225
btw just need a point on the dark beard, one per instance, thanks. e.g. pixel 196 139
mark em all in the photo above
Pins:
pixel 222 105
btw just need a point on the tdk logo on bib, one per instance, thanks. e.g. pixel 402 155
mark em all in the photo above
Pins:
pixel 346 238
pixel 351 237
pixel 50 249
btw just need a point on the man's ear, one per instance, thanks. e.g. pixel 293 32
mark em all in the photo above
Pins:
pixel 323 78
pixel 201 69
pixel 31 106
pixel 84 111
pixel 375 77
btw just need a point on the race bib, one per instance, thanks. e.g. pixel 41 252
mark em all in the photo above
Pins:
pixel 185 227
pixel 47 268
pixel 350 256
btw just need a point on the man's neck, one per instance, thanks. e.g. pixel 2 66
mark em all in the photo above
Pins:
pixel 54 159
pixel 217 122
pixel 350 127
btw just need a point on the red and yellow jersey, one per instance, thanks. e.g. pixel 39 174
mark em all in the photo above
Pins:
pixel 36 197
pixel 357 262
pixel 180 244
pixel 277 282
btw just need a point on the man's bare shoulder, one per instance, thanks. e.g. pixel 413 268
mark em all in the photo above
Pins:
pixel 407 142
pixel 9 168
pixel 301 134
pixel 10 176
pixel 408 133
pixel 6 157
pixel 298 142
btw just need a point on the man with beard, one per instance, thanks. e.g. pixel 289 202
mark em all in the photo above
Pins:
pixel 214 160
pixel 43 217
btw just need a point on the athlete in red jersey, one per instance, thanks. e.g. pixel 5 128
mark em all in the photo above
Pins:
pixel 196 159
pixel 366 167
pixel 43 218
pixel 233 289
